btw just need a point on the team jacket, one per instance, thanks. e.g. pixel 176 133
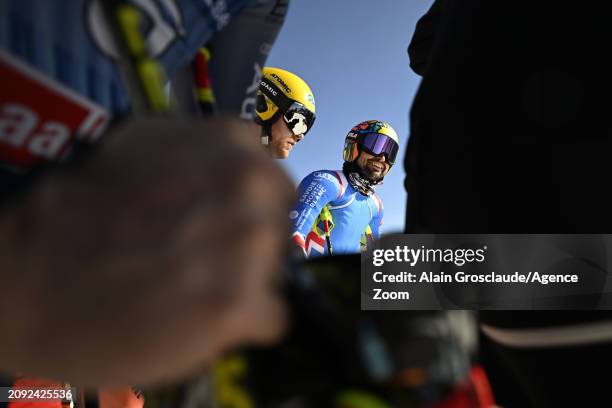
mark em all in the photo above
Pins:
pixel 352 213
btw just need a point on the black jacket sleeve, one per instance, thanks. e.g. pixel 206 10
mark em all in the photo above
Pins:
pixel 423 39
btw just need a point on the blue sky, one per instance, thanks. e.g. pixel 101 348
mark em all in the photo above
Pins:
pixel 353 56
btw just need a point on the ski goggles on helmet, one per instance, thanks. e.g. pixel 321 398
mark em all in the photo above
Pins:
pixel 298 119
pixel 377 144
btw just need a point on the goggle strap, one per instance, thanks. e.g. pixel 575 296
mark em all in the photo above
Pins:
pixel 280 99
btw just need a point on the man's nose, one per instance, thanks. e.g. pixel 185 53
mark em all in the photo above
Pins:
pixel 298 137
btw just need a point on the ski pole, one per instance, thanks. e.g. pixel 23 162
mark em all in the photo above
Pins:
pixel 327 236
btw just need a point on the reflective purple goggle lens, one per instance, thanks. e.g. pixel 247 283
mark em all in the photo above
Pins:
pixel 376 143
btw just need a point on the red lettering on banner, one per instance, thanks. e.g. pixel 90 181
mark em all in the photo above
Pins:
pixel 39 117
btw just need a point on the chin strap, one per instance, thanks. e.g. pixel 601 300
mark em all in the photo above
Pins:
pixel 265 135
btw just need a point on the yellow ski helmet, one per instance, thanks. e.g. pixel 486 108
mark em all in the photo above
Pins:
pixel 374 137
pixel 283 93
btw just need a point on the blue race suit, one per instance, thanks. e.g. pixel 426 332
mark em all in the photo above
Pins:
pixel 352 213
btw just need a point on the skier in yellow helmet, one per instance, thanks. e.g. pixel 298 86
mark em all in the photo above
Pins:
pixel 285 109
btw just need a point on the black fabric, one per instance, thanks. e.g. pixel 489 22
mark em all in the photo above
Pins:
pixel 549 377
pixel 330 344
pixel 510 130
pixel 510 133
pixel 423 42
pixel 249 35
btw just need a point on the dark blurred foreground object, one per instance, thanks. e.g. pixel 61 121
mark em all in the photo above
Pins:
pixel 108 263
pixel 125 264
pixel 339 356
pixel 510 133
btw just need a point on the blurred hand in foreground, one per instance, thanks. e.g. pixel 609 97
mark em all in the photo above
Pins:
pixel 147 260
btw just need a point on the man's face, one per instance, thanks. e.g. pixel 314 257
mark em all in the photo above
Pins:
pixel 282 139
pixel 373 167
